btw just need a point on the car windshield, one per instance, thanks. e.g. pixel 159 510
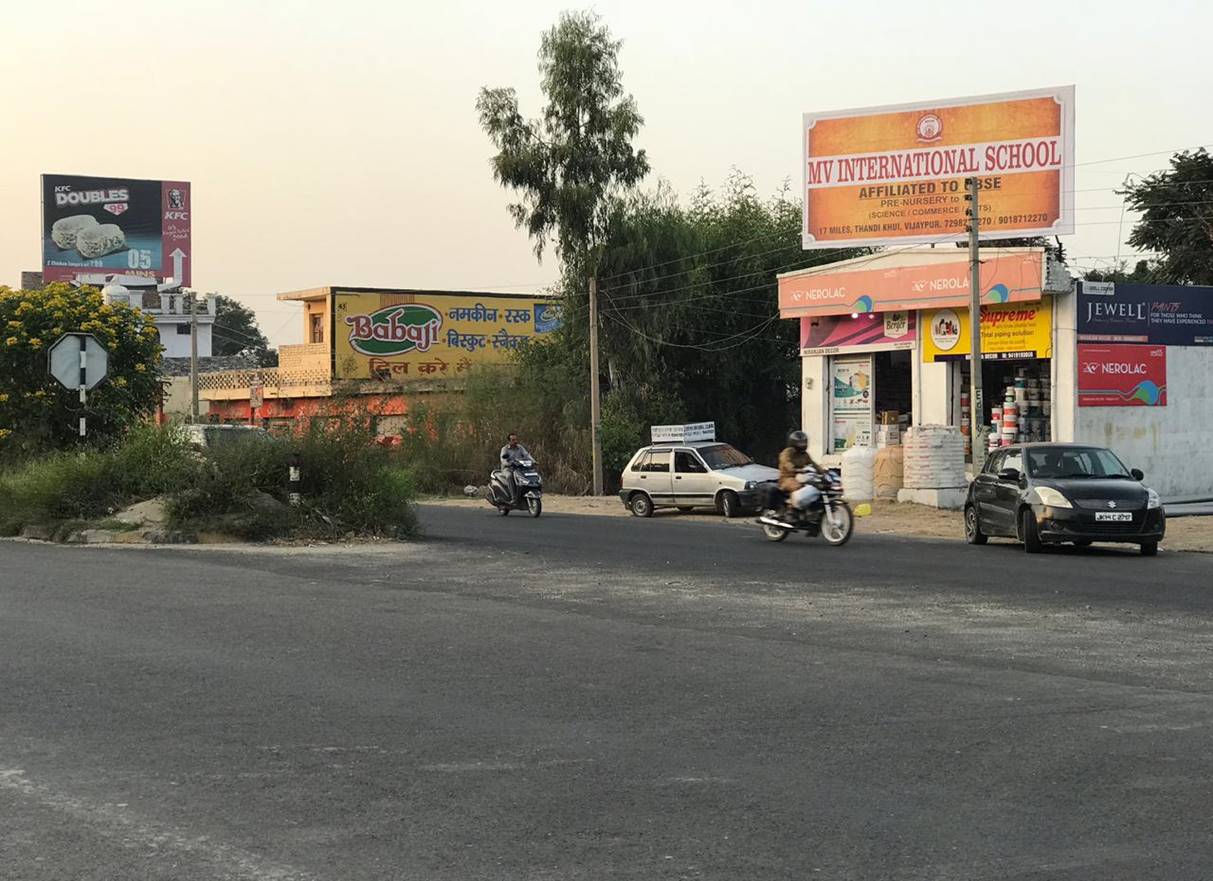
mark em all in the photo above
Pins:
pixel 1070 463
pixel 724 456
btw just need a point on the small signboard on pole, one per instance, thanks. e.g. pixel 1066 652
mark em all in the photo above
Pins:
pixel 78 361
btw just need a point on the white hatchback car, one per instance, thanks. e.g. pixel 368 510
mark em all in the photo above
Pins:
pixel 698 475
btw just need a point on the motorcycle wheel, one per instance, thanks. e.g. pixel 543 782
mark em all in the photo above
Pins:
pixel 837 529
pixel 535 506
pixel 774 533
pixel 505 512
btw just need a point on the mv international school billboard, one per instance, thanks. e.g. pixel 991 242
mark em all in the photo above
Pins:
pixel 106 225
pixel 399 336
pixel 895 175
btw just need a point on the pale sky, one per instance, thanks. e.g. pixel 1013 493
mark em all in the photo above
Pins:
pixel 337 143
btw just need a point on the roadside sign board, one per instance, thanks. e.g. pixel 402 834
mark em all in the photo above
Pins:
pixel 683 434
pixel 895 175
pixel 102 225
pixel 1159 315
pixel 1120 375
pixel 65 361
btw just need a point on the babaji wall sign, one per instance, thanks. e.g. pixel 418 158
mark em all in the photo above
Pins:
pixel 895 174
pixel 432 337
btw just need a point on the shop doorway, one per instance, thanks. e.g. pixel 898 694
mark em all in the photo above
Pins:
pixel 1018 395
pixel 871 394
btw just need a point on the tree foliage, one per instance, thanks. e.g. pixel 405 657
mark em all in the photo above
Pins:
pixel 236 332
pixel 36 412
pixel 566 165
pixel 691 321
pixel 1177 218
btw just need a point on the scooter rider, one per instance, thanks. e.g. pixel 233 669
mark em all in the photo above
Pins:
pixel 513 454
pixel 793 461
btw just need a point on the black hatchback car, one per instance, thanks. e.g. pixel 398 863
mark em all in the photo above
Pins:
pixel 1062 493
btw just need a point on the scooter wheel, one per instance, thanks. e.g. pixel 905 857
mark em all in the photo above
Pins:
pixel 535 506
pixel 505 512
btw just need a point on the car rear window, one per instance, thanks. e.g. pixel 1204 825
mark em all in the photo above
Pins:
pixel 640 461
pixel 659 460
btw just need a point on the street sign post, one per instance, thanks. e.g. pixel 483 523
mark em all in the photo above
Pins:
pixel 78 361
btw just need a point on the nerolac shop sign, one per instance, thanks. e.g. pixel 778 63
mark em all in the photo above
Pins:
pixel 1158 315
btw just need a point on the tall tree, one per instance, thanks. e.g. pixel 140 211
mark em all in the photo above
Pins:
pixel 236 332
pixel 1177 218
pixel 566 165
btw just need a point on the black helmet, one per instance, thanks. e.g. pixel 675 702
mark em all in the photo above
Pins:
pixel 799 440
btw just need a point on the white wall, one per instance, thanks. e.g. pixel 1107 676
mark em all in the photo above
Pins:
pixel 1063 371
pixel 932 391
pixel 178 345
pixel 814 403
pixel 1173 445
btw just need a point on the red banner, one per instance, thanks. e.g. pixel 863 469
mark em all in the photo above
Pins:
pixel 1122 376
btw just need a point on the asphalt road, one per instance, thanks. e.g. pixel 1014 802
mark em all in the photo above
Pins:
pixel 590 697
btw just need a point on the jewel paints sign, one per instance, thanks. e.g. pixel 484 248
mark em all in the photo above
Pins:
pixel 1162 315
pixel 1120 375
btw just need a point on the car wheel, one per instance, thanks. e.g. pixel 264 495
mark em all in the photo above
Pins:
pixel 1149 549
pixel 730 505
pixel 1031 537
pixel 973 533
pixel 641 505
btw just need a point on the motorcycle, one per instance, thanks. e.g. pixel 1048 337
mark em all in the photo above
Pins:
pixel 516 488
pixel 830 516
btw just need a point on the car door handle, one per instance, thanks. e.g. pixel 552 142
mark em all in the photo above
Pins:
pixel 678 477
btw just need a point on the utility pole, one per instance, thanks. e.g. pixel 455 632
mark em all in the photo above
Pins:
pixel 193 357
pixel 595 390
pixel 975 390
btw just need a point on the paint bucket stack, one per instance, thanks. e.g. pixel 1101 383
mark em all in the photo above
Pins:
pixel 995 429
pixel 1010 422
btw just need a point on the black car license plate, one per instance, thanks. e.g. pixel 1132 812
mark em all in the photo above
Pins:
pixel 1113 516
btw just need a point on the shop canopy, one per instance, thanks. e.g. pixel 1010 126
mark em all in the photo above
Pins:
pixel 918 278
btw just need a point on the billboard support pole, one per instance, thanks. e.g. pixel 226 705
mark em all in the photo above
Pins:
pixel 977 417
pixel 595 389
pixel 193 358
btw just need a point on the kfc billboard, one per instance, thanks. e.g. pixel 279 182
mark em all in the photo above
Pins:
pixel 94 226
pixel 895 175
pixel 1122 376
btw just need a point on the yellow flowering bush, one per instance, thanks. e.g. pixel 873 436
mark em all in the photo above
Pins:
pixel 35 411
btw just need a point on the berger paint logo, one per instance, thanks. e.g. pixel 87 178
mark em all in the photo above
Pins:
pixel 395 330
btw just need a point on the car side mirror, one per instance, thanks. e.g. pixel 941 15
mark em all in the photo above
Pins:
pixel 1011 475
pixel 1137 474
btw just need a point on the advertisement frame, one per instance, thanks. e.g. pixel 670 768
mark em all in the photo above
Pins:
pixel 158 249
pixel 1145 314
pixel 1147 392
pixel 1040 331
pixel 1064 225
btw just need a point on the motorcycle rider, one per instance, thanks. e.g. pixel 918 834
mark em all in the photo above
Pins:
pixel 793 460
pixel 513 454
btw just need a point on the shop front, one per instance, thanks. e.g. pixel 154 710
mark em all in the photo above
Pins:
pixel 1016 371
pixel 885 341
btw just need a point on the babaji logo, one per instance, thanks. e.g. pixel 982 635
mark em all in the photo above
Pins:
pixel 395 330
pixel 929 128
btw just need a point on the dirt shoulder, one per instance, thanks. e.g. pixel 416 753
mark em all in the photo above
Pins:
pixel 887 518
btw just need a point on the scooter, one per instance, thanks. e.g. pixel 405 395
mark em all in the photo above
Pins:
pixel 516 488
pixel 830 517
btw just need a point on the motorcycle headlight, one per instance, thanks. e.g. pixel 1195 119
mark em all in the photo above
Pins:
pixel 1052 497
pixel 1153 500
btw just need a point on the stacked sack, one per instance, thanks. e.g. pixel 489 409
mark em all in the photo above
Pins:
pixel 934 457
pixel 888 474
pixel 857 474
